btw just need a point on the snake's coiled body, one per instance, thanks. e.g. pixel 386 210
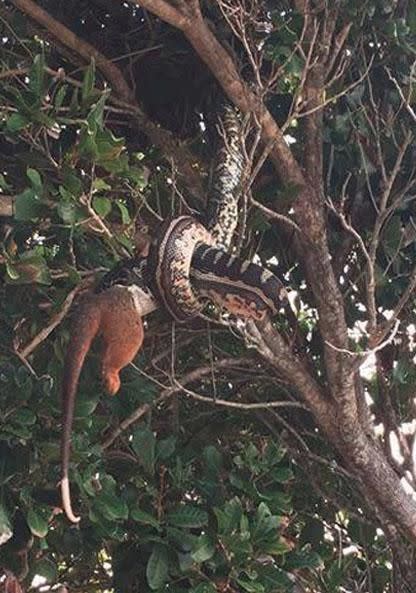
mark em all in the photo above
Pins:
pixel 169 265
pixel 188 263
pixel 241 287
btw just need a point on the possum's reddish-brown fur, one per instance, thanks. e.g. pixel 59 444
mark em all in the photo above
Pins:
pixel 112 315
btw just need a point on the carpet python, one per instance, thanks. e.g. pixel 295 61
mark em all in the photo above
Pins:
pixel 190 261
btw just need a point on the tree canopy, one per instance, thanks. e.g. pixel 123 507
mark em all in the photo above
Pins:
pixel 257 457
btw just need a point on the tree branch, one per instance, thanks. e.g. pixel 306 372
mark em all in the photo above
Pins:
pixel 111 72
pixel 123 95
pixel 312 246
pixel 168 392
pixel 222 66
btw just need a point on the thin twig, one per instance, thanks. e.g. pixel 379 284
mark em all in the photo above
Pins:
pixel 276 215
pixel 55 321
pixel 241 405
pixel 166 393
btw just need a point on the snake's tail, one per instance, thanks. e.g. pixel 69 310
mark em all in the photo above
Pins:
pixel 83 331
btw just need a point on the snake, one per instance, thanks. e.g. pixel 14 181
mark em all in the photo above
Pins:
pixel 190 261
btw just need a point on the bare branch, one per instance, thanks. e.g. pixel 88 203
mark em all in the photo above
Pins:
pixel 167 12
pixel 371 283
pixel 54 322
pixel 167 392
pixel 384 329
pixel 241 405
pixel 406 100
pixel 276 215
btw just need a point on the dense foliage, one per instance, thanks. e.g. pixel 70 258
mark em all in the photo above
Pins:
pixel 189 494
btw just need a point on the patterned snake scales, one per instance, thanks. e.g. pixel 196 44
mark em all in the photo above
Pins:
pixel 188 264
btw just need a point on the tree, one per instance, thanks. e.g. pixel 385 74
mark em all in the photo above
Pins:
pixel 108 126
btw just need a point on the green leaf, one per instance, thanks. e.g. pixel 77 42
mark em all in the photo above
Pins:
pixel 67 210
pixel 30 269
pixel 109 151
pixel 274 578
pixel 17 122
pixel 95 116
pixel 24 416
pixel 282 474
pixel 27 205
pixel 279 501
pixel 166 447
pixel 100 184
pixel 88 82
pixel 157 569
pixel 111 506
pixel 37 524
pixel 35 180
pixel 144 444
pixel 250 586
pixel 229 516
pixel 392 236
pixel 60 96
pixel 137 176
pixel 302 559
pixel 276 547
pixel 37 76
pixel 213 459
pixel 143 517
pixel 12 272
pixel 203 588
pixel 102 206
pixel 125 215
pixel 265 521
pixel 21 432
pixel 46 569
pixel 87 146
pixel 188 516
pixel 86 406
pixel 74 103
pixel 72 184
pixel 3 183
pixel 204 549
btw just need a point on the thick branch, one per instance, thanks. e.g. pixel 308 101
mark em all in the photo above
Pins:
pixel 221 64
pixel 313 247
pixel 271 345
pixel 359 450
